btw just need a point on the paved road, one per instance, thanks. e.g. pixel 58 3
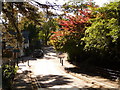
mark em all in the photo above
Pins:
pixel 50 73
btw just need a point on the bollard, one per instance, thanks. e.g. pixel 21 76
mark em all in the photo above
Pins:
pixel 28 62
pixel 60 59
pixel 22 59
pixel 62 62
pixel 17 61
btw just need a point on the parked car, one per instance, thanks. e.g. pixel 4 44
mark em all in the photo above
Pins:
pixel 38 53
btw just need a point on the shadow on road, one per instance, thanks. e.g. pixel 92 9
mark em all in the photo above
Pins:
pixel 21 81
pixel 48 58
pixel 53 80
pixel 49 50
pixel 94 71
pixel 25 59
pixel 51 55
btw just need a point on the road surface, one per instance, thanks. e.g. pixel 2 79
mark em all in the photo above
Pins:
pixel 48 72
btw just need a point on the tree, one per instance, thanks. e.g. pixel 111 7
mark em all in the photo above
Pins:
pixel 72 28
pixel 11 11
pixel 103 35
pixel 47 28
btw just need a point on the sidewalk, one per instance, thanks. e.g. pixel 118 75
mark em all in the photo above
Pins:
pixel 23 80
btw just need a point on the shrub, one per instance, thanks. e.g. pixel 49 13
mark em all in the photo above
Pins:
pixel 8 73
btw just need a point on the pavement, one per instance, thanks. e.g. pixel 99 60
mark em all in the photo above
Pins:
pixel 22 79
pixel 46 72
pixel 49 72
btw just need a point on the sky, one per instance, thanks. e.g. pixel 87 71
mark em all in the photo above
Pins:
pixel 60 2
pixel 101 2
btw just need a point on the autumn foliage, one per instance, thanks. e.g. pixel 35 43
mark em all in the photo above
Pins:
pixel 76 23
pixel 71 28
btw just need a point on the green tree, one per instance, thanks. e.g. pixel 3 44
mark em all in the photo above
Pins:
pixel 46 30
pixel 103 35
pixel 11 10
pixel 72 28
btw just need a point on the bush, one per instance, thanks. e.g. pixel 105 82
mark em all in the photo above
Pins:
pixel 8 73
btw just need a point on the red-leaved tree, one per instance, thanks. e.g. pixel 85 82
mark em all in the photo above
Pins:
pixel 72 28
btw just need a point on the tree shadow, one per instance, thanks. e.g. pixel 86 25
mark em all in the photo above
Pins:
pixel 25 59
pixel 51 55
pixel 48 58
pixel 48 81
pixel 95 71
pixel 49 50
pixel 21 82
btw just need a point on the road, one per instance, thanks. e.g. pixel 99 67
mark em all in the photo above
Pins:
pixel 51 74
